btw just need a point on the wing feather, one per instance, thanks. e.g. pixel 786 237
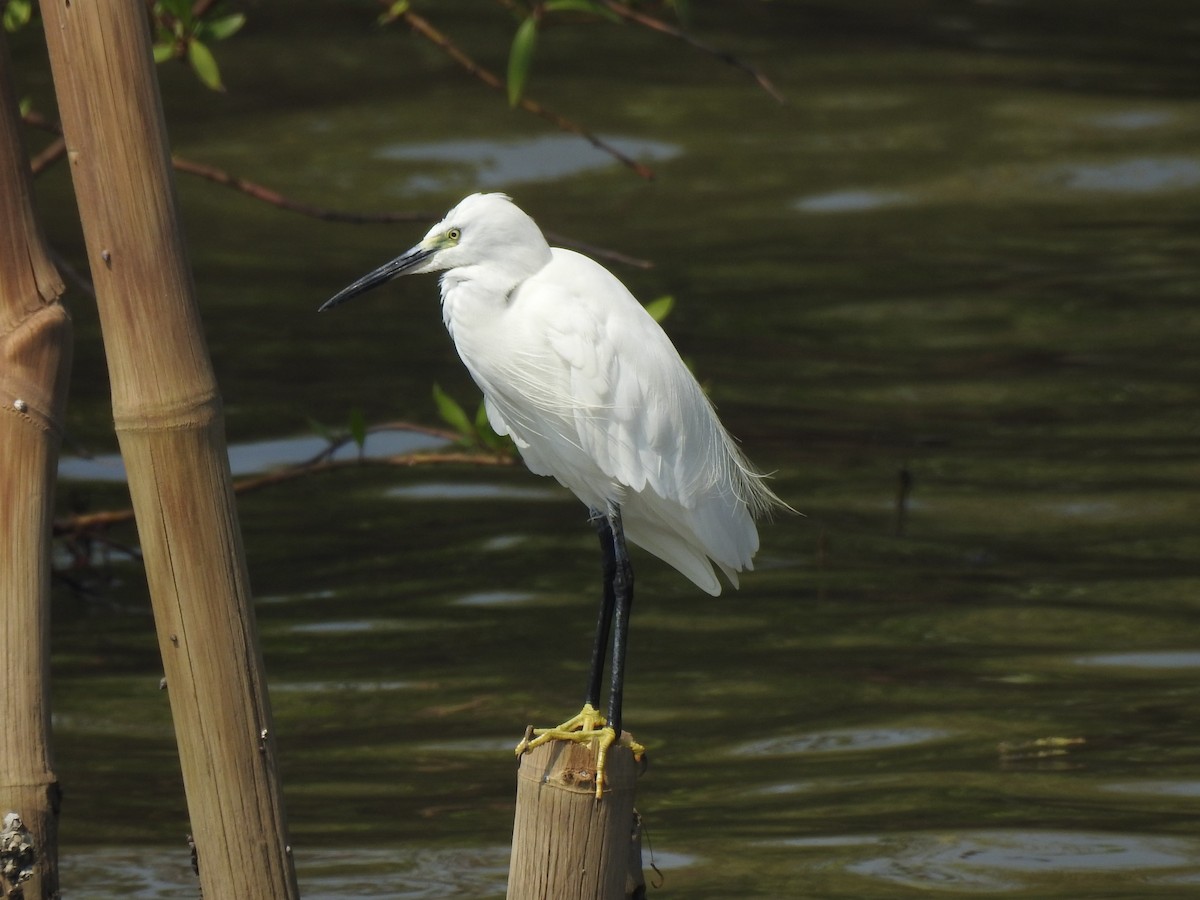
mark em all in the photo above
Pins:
pixel 594 393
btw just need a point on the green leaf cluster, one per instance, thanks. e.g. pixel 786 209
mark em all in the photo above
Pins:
pixel 17 14
pixel 520 54
pixel 476 433
pixel 660 308
pixel 180 33
pixel 393 12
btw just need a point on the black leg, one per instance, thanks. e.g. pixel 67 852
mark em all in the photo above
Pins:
pixel 622 586
pixel 604 621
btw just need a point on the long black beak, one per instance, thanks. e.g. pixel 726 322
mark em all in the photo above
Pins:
pixel 384 273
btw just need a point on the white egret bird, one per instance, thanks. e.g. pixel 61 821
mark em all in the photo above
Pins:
pixel 591 391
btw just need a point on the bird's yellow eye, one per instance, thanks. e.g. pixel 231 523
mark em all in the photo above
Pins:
pixel 454 234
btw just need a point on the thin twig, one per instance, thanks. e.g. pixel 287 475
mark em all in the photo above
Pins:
pixel 647 21
pixel 406 460
pixel 71 274
pixel 338 441
pixel 57 150
pixel 51 153
pixel 422 26
pixel 602 252
pixel 267 195
pixel 83 522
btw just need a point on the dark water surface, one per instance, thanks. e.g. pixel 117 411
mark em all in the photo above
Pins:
pixel 967 251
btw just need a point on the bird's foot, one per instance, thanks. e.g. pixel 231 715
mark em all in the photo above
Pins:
pixel 586 726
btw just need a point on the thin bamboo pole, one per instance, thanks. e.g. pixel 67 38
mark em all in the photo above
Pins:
pixel 168 418
pixel 35 356
pixel 567 845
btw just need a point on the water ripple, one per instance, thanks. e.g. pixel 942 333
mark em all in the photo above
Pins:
pixel 1148 659
pixel 842 741
pixel 1007 860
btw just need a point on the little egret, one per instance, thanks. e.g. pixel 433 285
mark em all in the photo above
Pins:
pixel 591 391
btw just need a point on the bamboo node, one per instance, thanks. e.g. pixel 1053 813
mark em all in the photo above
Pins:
pixel 193 411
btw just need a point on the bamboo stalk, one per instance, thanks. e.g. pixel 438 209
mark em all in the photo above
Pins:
pixel 567 845
pixel 168 418
pixel 35 356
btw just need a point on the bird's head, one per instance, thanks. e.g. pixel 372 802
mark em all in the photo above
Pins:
pixel 482 230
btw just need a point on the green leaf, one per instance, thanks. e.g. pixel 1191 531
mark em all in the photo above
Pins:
pixel 661 308
pixel 204 64
pixel 321 431
pixel 583 6
pixel 17 14
pixel 395 11
pixel 177 9
pixel 452 414
pixel 487 436
pixel 225 27
pixel 520 58
pixel 358 428
pixel 484 431
pixel 164 51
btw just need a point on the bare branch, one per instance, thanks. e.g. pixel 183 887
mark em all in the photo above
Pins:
pixel 71 274
pixel 422 27
pixel 267 195
pixel 647 21
pixel 81 523
pixel 406 460
pixel 601 252
pixel 57 149
pixel 51 153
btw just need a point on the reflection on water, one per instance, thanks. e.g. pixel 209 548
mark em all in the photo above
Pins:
pixel 1133 119
pixel 851 201
pixel 841 741
pixel 476 491
pixel 1134 176
pixel 1142 175
pixel 478 745
pixel 254 457
pixel 344 873
pixel 1153 659
pixel 336 687
pixel 1183 789
pixel 354 626
pixel 490 164
pixel 330 874
pixel 1002 861
pixel 494 598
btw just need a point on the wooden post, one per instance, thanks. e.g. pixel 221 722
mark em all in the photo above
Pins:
pixel 567 845
pixel 35 355
pixel 168 418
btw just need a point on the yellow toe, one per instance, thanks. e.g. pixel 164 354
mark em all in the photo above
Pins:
pixel 586 726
